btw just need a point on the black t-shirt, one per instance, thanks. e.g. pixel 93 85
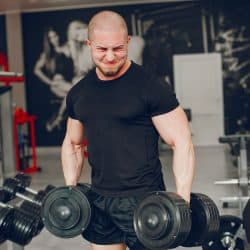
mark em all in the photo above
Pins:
pixel 122 141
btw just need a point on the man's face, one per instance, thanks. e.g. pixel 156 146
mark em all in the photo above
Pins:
pixel 109 52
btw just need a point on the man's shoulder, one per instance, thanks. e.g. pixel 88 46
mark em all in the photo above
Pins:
pixel 82 83
pixel 89 77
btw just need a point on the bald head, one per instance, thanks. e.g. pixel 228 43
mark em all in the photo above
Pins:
pixel 108 21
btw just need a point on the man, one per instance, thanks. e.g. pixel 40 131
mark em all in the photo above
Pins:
pixel 120 108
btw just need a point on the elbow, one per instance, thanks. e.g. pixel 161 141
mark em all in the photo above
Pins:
pixel 71 140
pixel 184 144
pixel 36 71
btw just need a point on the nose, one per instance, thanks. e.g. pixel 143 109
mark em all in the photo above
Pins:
pixel 110 55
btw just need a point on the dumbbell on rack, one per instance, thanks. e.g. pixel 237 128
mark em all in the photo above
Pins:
pixel 65 211
pixel 17 225
pixel 25 222
pixel 14 187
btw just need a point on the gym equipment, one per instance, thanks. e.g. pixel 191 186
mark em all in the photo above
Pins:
pixel 6 215
pixel 25 141
pixel 7 77
pixel 7 161
pixel 16 188
pixel 163 220
pixel 230 235
pixel 242 181
pixel 66 211
pixel 246 220
pixel 18 226
pixel 205 220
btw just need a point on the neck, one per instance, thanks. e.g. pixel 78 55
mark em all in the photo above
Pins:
pixel 121 72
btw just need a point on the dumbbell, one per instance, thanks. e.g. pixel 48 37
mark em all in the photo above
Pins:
pixel 163 220
pixel 31 204
pixel 17 225
pixel 27 211
pixel 66 211
pixel 13 187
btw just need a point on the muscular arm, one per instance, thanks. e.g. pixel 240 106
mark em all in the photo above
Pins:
pixel 72 152
pixel 174 129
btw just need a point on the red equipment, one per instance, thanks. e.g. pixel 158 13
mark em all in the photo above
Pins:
pixel 25 143
pixel 5 76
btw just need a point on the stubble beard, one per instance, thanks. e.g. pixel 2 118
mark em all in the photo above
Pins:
pixel 111 72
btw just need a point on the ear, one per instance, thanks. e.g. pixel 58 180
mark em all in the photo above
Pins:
pixel 87 42
pixel 129 38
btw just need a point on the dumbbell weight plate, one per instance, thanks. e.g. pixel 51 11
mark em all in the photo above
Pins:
pixel 6 217
pixel 24 179
pixel 11 187
pixel 205 220
pixel 246 220
pixel 162 220
pixel 3 196
pixel 23 228
pixel 66 211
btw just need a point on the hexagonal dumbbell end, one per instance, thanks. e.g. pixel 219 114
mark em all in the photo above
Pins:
pixel 162 220
pixel 66 211
pixel 205 220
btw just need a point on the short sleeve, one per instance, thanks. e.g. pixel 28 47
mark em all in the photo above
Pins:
pixel 70 105
pixel 160 98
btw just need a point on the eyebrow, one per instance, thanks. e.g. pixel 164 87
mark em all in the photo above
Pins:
pixel 99 46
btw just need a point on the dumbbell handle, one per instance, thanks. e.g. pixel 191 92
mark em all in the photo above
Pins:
pixel 24 197
pixel 235 199
pixel 231 181
pixel 233 138
pixel 32 191
pixel 5 205
pixel 14 187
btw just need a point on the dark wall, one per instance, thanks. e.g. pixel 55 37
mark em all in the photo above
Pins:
pixel 3 46
pixel 3 35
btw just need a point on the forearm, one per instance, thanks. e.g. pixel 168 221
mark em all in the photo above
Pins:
pixel 184 169
pixel 72 162
pixel 43 77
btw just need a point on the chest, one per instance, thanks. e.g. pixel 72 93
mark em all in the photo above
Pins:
pixel 112 103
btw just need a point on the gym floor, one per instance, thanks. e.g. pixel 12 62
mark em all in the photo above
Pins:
pixel 213 163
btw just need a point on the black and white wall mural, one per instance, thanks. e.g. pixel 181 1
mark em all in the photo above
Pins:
pixel 56 56
pixel 232 39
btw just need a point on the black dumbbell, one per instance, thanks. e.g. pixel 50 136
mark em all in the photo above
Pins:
pixel 66 211
pixel 13 187
pixel 163 220
pixel 17 225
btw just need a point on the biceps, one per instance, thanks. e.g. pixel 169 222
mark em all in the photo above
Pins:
pixel 75 131
pixel 173 126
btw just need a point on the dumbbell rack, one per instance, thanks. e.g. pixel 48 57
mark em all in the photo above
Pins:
pixel 243 180
pixel 23 226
